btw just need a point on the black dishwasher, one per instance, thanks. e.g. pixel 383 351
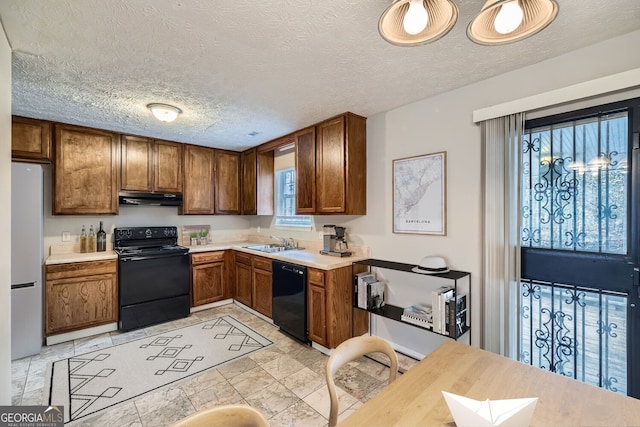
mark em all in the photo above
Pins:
pixel 289 310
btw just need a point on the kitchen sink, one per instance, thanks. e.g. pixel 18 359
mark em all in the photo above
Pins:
pixel 271 248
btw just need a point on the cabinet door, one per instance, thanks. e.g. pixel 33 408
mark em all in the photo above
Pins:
pixel 227 182
pixel 331 166
pixel 257 182
pixel 198 180
pixel 86 171
pixel 168 167
pixel 262 296
pixel 249 182
pixel 208 283
pixel 136 167
pixel 243 284
pixel 264 183
pixel 80 302
pixel 306 171
pixel 317 315
pixel 30 140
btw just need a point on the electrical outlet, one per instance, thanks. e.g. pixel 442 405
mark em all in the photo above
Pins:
pixel 66 236
pixel 258 229
pixel 320 235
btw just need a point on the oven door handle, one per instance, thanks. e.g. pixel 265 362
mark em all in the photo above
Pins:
pixel 147 257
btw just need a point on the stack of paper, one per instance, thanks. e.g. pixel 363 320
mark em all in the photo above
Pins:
pixel 486 413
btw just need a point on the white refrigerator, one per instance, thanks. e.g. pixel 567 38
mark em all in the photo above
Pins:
pixel 26 259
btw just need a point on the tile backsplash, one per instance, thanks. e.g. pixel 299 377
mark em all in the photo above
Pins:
pixel 195 235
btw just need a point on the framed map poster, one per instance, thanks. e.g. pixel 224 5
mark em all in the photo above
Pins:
pixel 419 194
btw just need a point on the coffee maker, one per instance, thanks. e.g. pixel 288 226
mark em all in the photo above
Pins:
pixel 335 242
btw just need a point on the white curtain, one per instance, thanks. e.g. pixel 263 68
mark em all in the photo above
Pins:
pixel 501 216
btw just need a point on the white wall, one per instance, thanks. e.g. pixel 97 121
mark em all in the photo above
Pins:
pixel 444 123
pixel 5 219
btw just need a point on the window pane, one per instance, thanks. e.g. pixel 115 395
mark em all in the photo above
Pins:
pixel 577 332
pixel 286 200
pixel 575 185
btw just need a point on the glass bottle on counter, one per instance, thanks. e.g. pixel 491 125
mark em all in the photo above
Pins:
pixel 83 240
pixel 101 239
pixel 91 240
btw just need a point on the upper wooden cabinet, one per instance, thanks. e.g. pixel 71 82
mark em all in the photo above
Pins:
pixel 86 171
pixel 341 166
pixel 198 180
pixel 30 140
pixel 331 167
pixel 151 165
pixel 136 169
pixel 227 182
pixel 257 182
pixel 167 167
pixel 306 171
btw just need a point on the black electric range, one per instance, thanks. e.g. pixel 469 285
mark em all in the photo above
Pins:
pixel 153 276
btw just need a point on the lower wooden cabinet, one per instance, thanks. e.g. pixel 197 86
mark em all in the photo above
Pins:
pixel 243 276
pixel 261 281
pixel 80 295
pixel 331 317
pixel 208 278
pixel 316 307
pixel 253 282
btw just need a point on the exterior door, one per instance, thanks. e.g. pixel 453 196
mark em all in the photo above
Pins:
pixel 579 302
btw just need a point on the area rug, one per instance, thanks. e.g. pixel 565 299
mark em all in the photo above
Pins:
pixel 94 381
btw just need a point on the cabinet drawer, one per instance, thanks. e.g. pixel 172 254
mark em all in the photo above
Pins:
pixel 206 257
pixel 316 277
pixel 262 263
pixel 80 269
pixel 242 258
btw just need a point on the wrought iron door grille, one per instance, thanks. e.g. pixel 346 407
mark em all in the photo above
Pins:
pixel 575 185
pixel 577 332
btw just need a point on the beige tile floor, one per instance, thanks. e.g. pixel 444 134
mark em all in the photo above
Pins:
pixel 284 381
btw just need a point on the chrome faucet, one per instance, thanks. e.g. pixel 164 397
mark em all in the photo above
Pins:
pixel 281 240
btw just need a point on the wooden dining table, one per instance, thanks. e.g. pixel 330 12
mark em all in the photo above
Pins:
pixel 415 398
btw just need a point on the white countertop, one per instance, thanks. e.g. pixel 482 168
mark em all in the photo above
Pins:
pixel 308 258
pixel 65 258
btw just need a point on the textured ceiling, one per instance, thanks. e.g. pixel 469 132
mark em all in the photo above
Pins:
pixel 243 66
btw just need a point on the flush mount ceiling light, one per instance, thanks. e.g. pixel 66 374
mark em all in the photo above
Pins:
pixel 164 112
pixel 416 22
pixel 507 21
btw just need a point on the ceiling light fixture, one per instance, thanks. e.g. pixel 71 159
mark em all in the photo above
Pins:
pixel 164 112
pixel 507 21
pixel 416 22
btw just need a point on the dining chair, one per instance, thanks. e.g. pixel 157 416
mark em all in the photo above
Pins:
pixel 225 415
pixel 350 350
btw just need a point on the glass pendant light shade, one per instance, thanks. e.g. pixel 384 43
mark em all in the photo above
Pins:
pixel 164 112
pixel 507 21
pixel 441 16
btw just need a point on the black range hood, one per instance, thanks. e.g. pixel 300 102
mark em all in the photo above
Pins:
pixel 130 198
